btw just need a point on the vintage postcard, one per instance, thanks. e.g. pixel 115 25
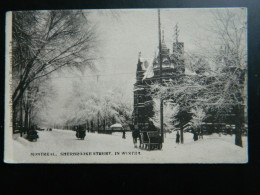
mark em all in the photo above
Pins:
pixel 126 86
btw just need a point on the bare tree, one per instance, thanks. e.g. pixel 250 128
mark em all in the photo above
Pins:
pixel 230 29
pixel 170 111
pixel 198 117
pixel 95 105
pixel 47 41
pixel 220 87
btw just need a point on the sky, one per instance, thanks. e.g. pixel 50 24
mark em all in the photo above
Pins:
pixel 122 34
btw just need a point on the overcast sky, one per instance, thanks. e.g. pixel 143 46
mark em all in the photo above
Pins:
pixel 122 34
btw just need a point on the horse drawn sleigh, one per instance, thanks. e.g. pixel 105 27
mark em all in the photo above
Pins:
pixel 32 135
pixel 148 140
pixel 80 132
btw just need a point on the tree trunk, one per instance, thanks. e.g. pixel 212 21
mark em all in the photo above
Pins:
pixel 238 125
pixel 87 126
pixel 21 118
pixel 92 126
pixel 182 138
pixel 29 118
pixel 26 120
pixel 238 136
pixel 98 123
pixel 104 125
pixel 201 131
pixel 19 93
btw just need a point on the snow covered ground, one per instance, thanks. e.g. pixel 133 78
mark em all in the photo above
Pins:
pixel 61 146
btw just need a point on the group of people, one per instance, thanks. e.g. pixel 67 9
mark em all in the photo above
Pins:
pixel 80 133
pixel 136 135
pixel 195 136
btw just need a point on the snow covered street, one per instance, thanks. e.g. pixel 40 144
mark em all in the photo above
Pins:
pixel 61 146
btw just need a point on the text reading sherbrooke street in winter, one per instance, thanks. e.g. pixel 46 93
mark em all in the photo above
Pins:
pixel 83 153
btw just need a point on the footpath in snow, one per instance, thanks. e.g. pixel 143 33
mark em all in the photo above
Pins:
pixel 62 146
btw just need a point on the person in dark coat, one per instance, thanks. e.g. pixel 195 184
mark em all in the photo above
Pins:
pixel 123 134
pixel 81 132
pixel 177 137
pixel 195 136
pixel 151 126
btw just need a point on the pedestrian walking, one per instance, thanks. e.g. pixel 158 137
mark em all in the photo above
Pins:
pixel 195 136
pixel 177 137
pixel 123 135
pixel 135 135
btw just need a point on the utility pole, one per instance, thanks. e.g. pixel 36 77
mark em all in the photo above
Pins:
pixel 160 60
pixel 98 122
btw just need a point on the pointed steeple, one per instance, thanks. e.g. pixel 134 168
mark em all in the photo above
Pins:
pixel 176 33
pixel 165 50
pixel 139 67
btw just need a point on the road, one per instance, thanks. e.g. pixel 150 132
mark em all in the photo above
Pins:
pixel 62 146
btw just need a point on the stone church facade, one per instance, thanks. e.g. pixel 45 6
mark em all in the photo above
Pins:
pixel 148 72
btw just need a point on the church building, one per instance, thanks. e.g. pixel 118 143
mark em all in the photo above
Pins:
pixel 148 72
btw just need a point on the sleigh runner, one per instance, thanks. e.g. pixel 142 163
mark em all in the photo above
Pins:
pixel 150 140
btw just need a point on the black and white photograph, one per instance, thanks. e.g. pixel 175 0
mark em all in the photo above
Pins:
pixel 126 86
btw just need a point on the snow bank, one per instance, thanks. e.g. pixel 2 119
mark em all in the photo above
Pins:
pixel 102 148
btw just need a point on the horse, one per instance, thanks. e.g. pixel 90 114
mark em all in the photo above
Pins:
pixel 135 135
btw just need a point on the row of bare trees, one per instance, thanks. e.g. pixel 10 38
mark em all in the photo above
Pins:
pixel 96 108
pixel 44 42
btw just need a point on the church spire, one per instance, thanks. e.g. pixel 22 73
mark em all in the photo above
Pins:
pixel 139 67
pixel 164 49
pixel 176 33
